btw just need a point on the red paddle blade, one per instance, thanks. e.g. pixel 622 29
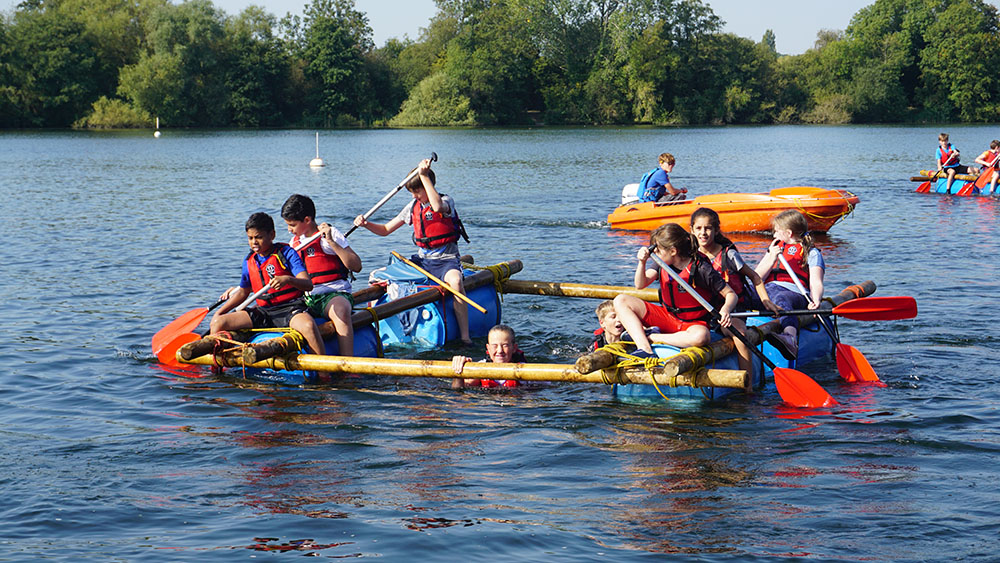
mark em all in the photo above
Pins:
pixel 799 390
pixel 878 309
pixel 182 324
pixel 985 177
pixel 853 365
pixel 924 188
pixel 968 189
pixel 168 353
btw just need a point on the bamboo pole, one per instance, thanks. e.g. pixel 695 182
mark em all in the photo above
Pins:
pixel 483 370
pixel 568 289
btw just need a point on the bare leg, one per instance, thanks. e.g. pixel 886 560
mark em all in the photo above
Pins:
pixel 338 310
pixel 234 320
pixel 630 311
pixel 304 323
pixel 741 349
pixel 454 279
pixel 697 335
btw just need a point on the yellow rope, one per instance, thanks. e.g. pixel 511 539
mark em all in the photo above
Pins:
pixel 850 209
pixel 501 273
pixel 379 352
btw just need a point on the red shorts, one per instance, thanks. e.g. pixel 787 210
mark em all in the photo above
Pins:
pixel 659 316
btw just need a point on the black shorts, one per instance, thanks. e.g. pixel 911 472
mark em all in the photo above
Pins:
pixel 960 169
pixel 277 316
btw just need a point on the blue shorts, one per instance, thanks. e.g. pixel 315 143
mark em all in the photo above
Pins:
pixel 438 268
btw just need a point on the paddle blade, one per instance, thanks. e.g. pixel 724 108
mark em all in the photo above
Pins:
pixel 182 324
pixel 924 188
pixel 853 366
pixel 168 353
pixel 878 309
pixel 799 390
pixel 967 190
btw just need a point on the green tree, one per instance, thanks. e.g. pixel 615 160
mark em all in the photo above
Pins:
pixel 258 76
pixel 335 38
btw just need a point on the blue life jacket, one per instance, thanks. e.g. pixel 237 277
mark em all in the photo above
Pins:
pixel 650 194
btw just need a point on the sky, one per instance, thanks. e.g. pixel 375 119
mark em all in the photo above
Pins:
pixel 794 22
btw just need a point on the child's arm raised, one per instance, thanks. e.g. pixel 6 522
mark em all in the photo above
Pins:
pixel 644 276
pixel 767 261
pixel 380 229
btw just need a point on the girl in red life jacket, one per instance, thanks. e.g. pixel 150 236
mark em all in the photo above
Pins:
pixel 726 260
pixel 791 238
pixel 682 321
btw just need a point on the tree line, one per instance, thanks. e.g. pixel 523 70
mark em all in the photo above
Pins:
pixel 119 63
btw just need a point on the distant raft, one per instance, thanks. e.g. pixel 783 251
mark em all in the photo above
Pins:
pixel 964 184
pixel 741 212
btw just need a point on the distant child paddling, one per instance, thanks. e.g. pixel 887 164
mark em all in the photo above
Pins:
pixel 682 320
pixel 991 159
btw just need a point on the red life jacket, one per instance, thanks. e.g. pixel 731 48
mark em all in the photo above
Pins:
pixel 598 339
pixel 797 259
pixel 262 275
pixel 516 358
pixel 730 274
pixel 431 229
pixel 322 267
pixel 946 156
pixel 679 302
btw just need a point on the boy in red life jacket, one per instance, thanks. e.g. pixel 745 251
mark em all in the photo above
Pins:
pixel 279 267
pixel 329 261
pixel 436 230
pixel 501 348
pixel 611 328
pixel 947 161
pixel 991 158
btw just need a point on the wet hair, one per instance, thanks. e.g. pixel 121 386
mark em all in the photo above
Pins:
pixel 297 207
pixel 795 222
pixel 604 308
pixel 672 235
pixel 714 221
pixel 260 221
pixel 502 329
pixel 943 137
pixel 668 158
pixel 415 182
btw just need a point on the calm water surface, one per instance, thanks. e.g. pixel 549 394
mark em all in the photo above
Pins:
pixel 108 457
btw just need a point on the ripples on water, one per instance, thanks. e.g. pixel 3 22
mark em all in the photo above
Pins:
pixel 107 456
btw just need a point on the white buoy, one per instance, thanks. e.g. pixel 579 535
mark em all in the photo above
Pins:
pixel 157 132
pixel 317 162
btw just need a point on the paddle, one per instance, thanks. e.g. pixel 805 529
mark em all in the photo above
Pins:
pixel 441 283
pixel 863 309
pixel 926 186
pixel 166 341
pixel 983 179
pixel 392 192
pixel 794 387
pixel 851 363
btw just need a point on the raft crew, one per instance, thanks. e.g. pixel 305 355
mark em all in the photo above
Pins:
pixel 655 185
pixel 501 348
pixel 436 230
pixel 990 159
pixel 329 260
pixel 946 160
pixel 792 239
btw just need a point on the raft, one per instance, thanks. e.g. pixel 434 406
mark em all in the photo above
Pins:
pixel 741 212
pixel 964 184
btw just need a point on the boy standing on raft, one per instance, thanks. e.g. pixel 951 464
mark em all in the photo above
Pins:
pixel 947 161
pixel 329 260
pixel 655 185
pixel 501 348
pixel 436 230
pixel 279 267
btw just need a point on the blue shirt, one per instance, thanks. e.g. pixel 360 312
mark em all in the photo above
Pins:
pixel 939 154
pixel 288 254
pixel 655 187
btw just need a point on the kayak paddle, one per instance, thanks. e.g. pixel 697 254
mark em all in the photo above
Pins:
pixel 851 363
pixel 170 338
pixel 795 388
pixel 392 192
pixel 863 309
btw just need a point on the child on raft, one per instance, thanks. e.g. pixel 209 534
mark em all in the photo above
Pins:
pixel 792 239
pixel 683 322
pixel 947 161
pixel 501 348
pixel 655 185
pixel 991 159
pixel 279 267
pixel 436 230
pixel 726 259
pixel 611 330
pixel 329 260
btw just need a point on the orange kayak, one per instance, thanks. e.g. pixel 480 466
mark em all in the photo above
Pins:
pixel 741 212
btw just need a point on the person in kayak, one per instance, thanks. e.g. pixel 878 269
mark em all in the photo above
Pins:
pixel 991 159
pixel 682 320
pixel 791 238
pixel 436 230
pixel 655 185
pixel 329 261
pixel 279 267
pixel 501 348
pixel 947 156
pixel 726 259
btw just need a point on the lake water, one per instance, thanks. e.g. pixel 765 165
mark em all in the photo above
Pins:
pixel 108 457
